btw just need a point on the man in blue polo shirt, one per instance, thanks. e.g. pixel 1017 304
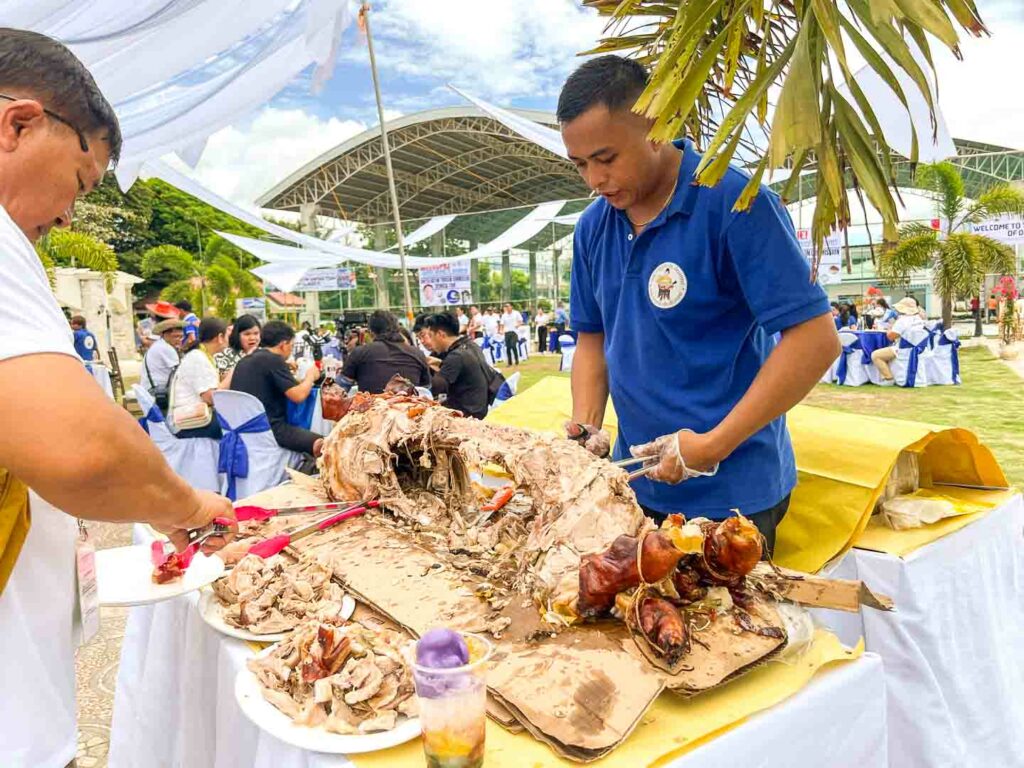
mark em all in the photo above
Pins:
pixel 675 297
pixel 85 342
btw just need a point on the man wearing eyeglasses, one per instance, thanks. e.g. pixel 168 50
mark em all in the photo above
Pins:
pixel 63 445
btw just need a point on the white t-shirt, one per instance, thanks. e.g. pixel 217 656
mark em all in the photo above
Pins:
pixel 490 322
pixel 195 375
pixel 905 322
pixel 510 321
pixel 542 319
pixel 463 322
pixel 37 647
pixel 161 359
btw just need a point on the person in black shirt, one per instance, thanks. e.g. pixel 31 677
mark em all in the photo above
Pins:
pixel 463 374
pixel 266 376
pixel 372 365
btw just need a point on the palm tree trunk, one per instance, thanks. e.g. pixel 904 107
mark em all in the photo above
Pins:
pixel 947 310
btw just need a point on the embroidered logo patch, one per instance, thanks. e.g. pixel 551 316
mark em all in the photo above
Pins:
pixel 667 285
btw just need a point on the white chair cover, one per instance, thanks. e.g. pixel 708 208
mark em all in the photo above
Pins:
pixel 568 345
pixel 856 371
pixel 424 392
pixel 194 458
pixel 944 363
pixel 829 376
pixel 523 332
pixel 266 459
pixel 903 365
pixel 507 392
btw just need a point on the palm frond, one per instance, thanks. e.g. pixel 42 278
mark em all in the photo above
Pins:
pixel 995 257
pixel 914 252
pixel 945 181
pixel 714 62
pixel 998 200
pixel 219 281
pixel 958 270
pixel 67 248
pixel 175 261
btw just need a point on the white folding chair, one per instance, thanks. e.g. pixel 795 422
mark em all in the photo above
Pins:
pixel 944 363
pixel 194 458
pixel 250 458
pixel 523 332
pixel 910 368
pixel 850 368
pixel 568 345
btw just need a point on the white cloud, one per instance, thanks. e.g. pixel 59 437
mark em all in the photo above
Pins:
pixel 499 48
pixel 240 163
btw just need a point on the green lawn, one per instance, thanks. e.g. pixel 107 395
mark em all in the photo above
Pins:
pixel 988 403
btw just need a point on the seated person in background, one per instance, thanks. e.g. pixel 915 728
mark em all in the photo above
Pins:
pixel 266 376
pixel 162 358
pixel 85 342
pixel 909 317
pixel 463 374
pixel 372 365
pixel 192 386
pixel 243 339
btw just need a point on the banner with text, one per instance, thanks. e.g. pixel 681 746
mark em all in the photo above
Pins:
pixel 445 284
pixel 327 279
pixel 1005 229
pixel 830 266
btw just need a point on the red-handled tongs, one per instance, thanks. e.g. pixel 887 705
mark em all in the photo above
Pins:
pixel 250 512
pixel 273 545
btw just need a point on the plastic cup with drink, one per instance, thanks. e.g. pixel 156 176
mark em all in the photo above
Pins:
pixel 449 672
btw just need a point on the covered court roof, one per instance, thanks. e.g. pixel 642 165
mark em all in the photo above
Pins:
pixel 450 160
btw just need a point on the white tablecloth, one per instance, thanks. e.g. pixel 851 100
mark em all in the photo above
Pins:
pixel 954 648
pixel 102 375
pixel 175 708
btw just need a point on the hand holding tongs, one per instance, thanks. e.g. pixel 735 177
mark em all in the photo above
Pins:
pixel 649 463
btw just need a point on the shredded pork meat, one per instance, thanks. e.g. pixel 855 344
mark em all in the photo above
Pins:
pixel 269 596
pixel 351 679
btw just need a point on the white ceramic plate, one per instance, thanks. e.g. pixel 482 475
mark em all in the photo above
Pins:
pixel 124 576
pixel 213 614
pixel 269 718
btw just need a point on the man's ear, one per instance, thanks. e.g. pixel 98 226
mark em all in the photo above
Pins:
pixel 16 118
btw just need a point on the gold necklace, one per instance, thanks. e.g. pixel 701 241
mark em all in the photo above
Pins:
pixel 660 209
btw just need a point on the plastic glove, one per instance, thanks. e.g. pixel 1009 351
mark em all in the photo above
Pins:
pixel 595 440
pixel 671 467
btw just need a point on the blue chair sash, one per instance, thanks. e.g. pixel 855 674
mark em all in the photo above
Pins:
pixel 915 353
pixel 154 415
pixel 842 365
pixel 234 456
pixel 954 355
pixel 504 392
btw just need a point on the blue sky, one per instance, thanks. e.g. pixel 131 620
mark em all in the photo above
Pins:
pixel 518 53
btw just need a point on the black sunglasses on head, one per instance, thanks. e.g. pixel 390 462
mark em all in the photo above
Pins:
pixel 81 136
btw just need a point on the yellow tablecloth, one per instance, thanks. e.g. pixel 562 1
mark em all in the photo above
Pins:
pixel 843 461
pixel 673 725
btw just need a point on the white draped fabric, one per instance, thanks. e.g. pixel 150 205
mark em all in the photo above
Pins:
pixel 428 228
pixel 951 649
pixel 321 253
pixel 539 134
pixel 178 70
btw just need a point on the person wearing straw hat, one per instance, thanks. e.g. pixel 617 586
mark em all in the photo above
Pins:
pixel 908 316
pixel 162 358
pixel 66 451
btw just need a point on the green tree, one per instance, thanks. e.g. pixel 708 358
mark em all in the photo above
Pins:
pixel 716 62
pixel 65 248
pixel 959 259
pixel 210 285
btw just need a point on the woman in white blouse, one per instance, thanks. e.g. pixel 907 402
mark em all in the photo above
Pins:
pixel 191 406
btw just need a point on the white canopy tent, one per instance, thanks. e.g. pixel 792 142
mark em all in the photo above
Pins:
pixel 176 71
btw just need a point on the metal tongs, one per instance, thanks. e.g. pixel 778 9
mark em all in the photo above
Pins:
pixel 650 463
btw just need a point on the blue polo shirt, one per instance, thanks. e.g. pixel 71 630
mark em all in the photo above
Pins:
pixel 85 344
pixel 688 309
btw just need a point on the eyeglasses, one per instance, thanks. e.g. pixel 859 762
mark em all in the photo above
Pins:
pixel 81 136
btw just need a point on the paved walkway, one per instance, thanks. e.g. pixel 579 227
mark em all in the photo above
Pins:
pixel 97 665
